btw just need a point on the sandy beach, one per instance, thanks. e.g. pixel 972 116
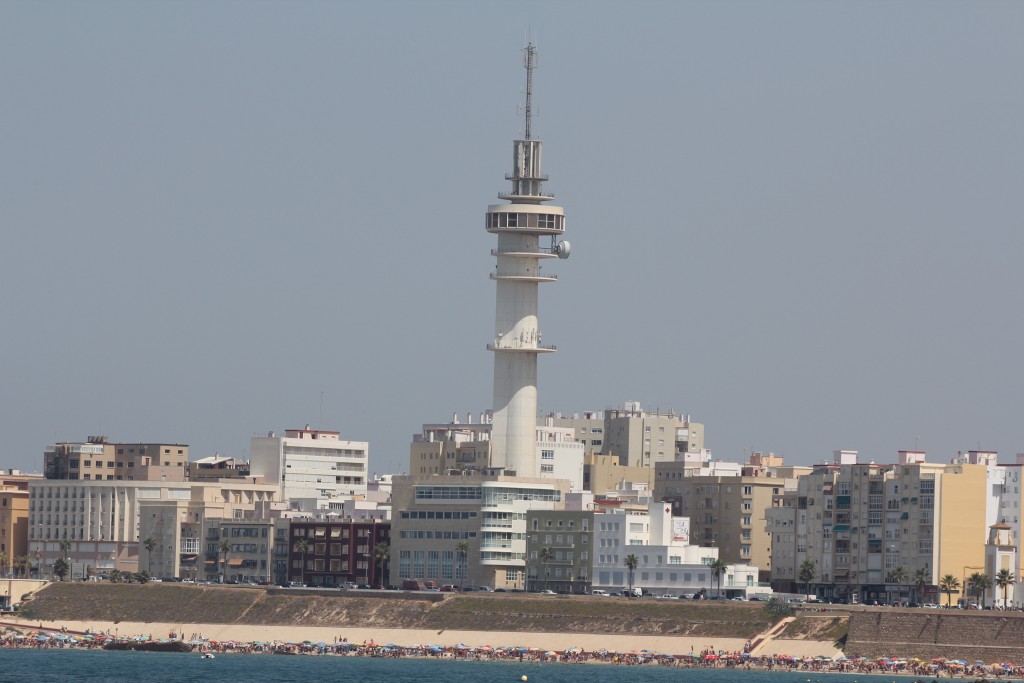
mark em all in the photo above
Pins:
pixel 358 635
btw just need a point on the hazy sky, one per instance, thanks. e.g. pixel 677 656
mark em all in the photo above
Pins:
pixel 798 222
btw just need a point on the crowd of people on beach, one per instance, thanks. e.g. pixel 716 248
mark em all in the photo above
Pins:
pixel 707 657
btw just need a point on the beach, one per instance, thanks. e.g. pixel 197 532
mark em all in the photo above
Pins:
pixel 590 642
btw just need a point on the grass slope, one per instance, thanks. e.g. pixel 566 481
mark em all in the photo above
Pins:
pixel 182 603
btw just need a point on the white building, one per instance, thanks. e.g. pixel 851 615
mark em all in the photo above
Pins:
pixel 666 562
pixel 310 466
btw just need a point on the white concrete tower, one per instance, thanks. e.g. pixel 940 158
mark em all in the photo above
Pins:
pixel 520 225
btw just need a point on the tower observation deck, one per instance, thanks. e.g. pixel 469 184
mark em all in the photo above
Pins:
pixel 520 225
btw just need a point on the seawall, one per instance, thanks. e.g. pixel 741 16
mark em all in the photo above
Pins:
pixel 929 634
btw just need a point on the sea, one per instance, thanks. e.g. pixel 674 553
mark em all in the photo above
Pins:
pixel 96 666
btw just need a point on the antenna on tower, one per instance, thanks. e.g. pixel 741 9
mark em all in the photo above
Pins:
pixel 530 62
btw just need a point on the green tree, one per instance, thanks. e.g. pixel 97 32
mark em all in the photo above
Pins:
pixel 899 577
pixel 462 552
pixel 3 562
pixel 631 563
pixel 62 567
pixel 225 549
pixel 1005 579
pixel 25 561
pixel 546 555
pixel 115 576
pixel 718 569
pixel 808 571
pixel 149 544
pixel 922 577
pixel 301 548
pixel 979 584
pixel 143 576
pixel 381 554
pixel 778 608
pixel 949 584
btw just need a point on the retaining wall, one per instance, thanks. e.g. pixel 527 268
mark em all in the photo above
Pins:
pixel 927 634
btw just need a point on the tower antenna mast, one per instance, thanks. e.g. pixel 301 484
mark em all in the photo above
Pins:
pixel 530 62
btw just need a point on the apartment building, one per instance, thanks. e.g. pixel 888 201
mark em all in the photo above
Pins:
pixel 96 459
pixel 862 525
pixel 667 562
pixel 641 438
pixel 102 520
pixel 332 553
pixel 558 550
pixel 310 466
pixel 725 503
pixel 13 518
pixel 466 447
pixel 217 467
pixel 487 511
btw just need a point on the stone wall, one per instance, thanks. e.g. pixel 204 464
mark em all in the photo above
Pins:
pixel 927 634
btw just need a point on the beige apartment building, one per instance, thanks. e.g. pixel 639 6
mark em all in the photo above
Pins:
pixel 726 511
pixel 188 522
pixel 13 519
pixel 641 438
pixel 102 519
pixel 604 474
pixel 99 460
pixel 859 522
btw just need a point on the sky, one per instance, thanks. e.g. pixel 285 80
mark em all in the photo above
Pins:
pixel 797 222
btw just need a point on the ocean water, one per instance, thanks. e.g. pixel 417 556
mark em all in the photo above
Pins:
pixel 58 666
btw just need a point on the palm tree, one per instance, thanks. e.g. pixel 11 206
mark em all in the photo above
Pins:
pixel 65 566
pixel 301 548
pixel 149 544
pixel 61 567
pixel 949 584
pixel 718 568
pixel 225 548
pixel 25 562
pixel 545 555
pixel 3 562
pixel 1005 579
pixel 631 562
pixel 808 570
pixel 921 579
pixel 899 577
pixel 382 553
pixel 979 584
pixel 462 552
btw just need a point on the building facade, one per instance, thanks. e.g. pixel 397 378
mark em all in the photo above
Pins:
pixel 14 521
pixel 102 520
pixel 641 438
pixel 335 553
pixel 98 460
pixel 487 512
pixel 725 511
pixel 883 532
pixel 310 466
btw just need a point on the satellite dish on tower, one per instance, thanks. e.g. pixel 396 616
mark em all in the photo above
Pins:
pixel 562 249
